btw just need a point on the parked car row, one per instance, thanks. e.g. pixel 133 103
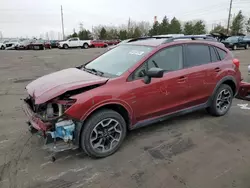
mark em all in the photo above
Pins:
pixel 77 43
pixel 27 44
pixel 235 42
pixel 34 44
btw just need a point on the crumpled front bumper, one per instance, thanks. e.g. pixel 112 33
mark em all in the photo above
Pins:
pixel 35 121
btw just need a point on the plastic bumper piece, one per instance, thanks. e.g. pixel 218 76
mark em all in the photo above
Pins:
pixel 35 121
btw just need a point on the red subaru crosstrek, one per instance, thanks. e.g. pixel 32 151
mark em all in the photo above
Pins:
pixel 133 85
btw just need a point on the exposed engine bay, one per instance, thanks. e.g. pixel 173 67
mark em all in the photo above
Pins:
pixel 52 113
pixel 51 117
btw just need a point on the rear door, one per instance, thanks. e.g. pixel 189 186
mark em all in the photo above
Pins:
pixel 197 63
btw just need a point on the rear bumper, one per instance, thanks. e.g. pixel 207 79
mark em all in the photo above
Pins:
pixel 35 121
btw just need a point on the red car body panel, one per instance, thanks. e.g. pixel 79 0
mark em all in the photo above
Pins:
pixel 35 121
pixel 132 95
pixel 112 42
pixel 47 87
pixel 39 43
pixel 177 90
pixel 98 44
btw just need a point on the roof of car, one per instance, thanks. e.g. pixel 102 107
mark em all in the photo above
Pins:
pixel 154 42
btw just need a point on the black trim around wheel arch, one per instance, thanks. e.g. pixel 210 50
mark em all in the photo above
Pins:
pixel 226 78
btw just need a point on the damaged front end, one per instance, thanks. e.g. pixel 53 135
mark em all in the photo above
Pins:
pixel 50 121
pixel 50 99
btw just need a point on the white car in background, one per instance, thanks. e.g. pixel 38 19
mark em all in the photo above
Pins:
pixel 74 43
pixel 12 44
pixel 3 44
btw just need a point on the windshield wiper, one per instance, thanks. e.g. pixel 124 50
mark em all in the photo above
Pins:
pixel 94 71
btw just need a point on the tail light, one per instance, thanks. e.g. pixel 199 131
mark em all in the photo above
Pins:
pixel 236 62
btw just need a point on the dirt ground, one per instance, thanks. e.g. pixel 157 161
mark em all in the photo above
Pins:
pixel 192 151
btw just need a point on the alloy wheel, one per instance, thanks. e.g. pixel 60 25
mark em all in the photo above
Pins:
pixel 223 101
pixel 65 46
pixel 106 135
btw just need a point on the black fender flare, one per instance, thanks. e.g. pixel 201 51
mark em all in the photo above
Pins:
pixel 226 78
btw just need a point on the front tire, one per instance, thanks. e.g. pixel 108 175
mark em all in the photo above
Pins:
pixel 103 133
pixel 234 47
pixel 65 46
pixel 221 101
pixel 247 46
pixel 2 48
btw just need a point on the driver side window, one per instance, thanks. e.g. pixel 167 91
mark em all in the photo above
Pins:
pixel 73 39
pixel 168 59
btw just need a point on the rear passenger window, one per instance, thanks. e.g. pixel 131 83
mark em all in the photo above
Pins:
pixel 221 53
pixel 214 57
pixel 197 54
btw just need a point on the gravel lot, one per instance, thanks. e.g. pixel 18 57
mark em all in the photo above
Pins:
pixel 192 151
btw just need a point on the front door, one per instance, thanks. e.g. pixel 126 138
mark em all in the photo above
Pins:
pixel 73 42
pixel 162 95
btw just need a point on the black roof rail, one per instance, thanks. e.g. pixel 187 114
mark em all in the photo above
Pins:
pixel 149 37
pixel 192 37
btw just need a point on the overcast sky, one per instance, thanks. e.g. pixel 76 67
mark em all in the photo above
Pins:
pixel 35 17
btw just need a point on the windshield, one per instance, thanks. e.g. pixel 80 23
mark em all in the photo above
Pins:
pixel 232 39
pixel 117 61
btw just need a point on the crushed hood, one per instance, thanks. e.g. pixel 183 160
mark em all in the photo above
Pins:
pixel 52 85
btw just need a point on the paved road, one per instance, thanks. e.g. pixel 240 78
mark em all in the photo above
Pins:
pixel 193 151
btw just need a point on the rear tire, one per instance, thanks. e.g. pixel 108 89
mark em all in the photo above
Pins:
pixel 2 48
pixel 221 101
pixel 85 46
pixel 234 47
pixel 103 133
pixel 247 46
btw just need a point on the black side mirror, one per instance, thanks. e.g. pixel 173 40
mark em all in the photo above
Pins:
pixel 153 73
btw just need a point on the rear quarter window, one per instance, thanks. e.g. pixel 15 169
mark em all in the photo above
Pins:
pixel 214 57
pixel 222 53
